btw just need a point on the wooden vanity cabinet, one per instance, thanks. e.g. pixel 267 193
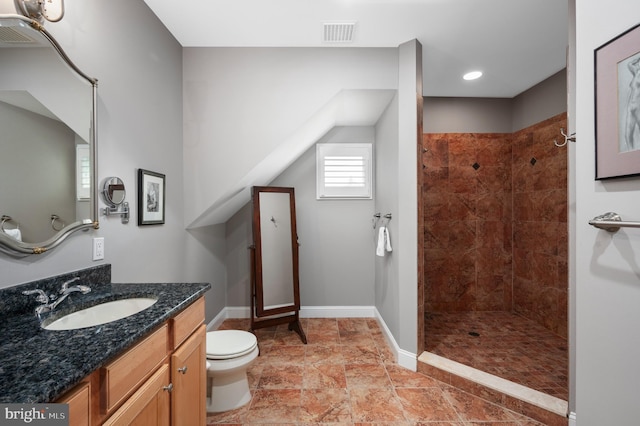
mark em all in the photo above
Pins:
pixel 160 381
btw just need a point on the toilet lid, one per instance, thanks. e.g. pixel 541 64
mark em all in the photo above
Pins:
pixel 224 344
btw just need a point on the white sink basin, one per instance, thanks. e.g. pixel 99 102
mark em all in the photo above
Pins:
pixel 101 314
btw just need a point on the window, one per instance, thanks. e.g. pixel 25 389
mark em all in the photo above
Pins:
pixel 344 170
pixel 83 172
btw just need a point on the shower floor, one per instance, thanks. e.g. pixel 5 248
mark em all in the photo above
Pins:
pixel 503 344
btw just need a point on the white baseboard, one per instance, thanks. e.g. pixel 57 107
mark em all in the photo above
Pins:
pixel 404 358
pixel 572 419
pixel 337 312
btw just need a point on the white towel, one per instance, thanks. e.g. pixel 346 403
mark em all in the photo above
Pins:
pixel 14 233
pixel 387 238
pixel 384 242
pixel 380 246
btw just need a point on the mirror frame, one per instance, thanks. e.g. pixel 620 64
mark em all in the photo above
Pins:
pixel 17 248
pixel 288 314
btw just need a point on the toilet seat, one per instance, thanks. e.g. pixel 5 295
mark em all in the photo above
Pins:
pixel 228 344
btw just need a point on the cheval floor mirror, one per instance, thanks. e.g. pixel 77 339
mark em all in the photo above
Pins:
pixel 275 287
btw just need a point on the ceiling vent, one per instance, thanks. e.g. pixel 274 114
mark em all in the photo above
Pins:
pixel 339 32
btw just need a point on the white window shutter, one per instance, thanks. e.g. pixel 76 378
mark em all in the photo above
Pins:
pixel 344 170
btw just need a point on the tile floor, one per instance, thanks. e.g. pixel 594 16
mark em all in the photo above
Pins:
pixel 507 346
pixel 346 375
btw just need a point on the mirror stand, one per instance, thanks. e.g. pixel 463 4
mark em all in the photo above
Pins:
pixel 292 319
pixel 275 288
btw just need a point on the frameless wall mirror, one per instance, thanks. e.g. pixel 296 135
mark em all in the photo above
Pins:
pixel 48 122
pixel 114 193
pixel 275 284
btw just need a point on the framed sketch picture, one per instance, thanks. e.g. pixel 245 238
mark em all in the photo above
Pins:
pixel 151 197
pixel 617 100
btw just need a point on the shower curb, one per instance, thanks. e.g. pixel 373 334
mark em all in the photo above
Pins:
pixel 521 399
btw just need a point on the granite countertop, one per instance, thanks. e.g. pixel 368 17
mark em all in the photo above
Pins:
pixel 38 365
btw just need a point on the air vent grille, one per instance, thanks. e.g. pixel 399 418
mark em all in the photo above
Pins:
pixel 339 32
pixel 11 35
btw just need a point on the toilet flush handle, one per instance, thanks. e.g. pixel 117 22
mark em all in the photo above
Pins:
pixel 183 370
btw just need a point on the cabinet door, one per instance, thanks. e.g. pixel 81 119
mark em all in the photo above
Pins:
pixel 79 404
pixel 149 405
pixel 189 378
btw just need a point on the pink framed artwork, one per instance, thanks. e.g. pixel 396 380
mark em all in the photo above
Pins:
pixel 617 106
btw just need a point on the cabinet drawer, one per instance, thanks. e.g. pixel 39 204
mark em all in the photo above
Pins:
pixel 78 400
pixel 187 321
pixel 148 406
pixel 124 375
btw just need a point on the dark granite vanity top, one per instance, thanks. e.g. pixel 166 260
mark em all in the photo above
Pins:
pixel 38 365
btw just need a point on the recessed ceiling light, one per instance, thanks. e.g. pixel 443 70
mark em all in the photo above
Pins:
pixel 473 75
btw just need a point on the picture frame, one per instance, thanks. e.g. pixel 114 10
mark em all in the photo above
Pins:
pixel 151 197
pixel 617 106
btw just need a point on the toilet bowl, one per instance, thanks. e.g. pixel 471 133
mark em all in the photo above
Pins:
pixel 229 354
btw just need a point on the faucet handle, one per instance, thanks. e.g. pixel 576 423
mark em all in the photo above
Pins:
pixel 65 285
pixel 42 296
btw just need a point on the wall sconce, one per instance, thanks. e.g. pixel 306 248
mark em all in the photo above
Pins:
pixel 113 194
pixel 38 10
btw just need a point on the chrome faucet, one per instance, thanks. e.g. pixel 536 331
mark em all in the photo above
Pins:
pixel 49 303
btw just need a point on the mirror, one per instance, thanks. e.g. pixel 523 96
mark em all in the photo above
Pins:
pixel 275 292
pixel 113 191
pixel 47 116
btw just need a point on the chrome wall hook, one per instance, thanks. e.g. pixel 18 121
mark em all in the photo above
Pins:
pixel 567 138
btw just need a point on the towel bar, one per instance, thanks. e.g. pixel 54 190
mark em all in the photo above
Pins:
pixel 611 222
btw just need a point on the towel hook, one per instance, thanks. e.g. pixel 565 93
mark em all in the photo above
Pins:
pixel 567 138
pixel 375 219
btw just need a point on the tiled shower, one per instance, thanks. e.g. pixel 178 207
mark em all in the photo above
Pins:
pixel 495 240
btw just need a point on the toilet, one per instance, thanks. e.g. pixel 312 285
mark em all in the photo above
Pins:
pixel 229 355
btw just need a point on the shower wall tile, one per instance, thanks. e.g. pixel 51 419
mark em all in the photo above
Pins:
pixel 462 206
pixel 540 234
pixel 496 234
pixel 476 219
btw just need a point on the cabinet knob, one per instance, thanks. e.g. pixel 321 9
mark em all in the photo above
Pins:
pixel 168 388
pixel 183 370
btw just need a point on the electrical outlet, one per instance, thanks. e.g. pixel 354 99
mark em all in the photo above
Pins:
pixel 98 248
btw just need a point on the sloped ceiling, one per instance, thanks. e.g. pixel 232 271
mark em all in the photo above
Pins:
pixel 347 108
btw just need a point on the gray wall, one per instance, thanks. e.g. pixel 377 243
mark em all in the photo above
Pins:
pixel 387 292
pixel 497 115
pixel 544 100
pixel 244 103
pixel 607 271
pixel 139 70
pixel 334 270
pixel 406 212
